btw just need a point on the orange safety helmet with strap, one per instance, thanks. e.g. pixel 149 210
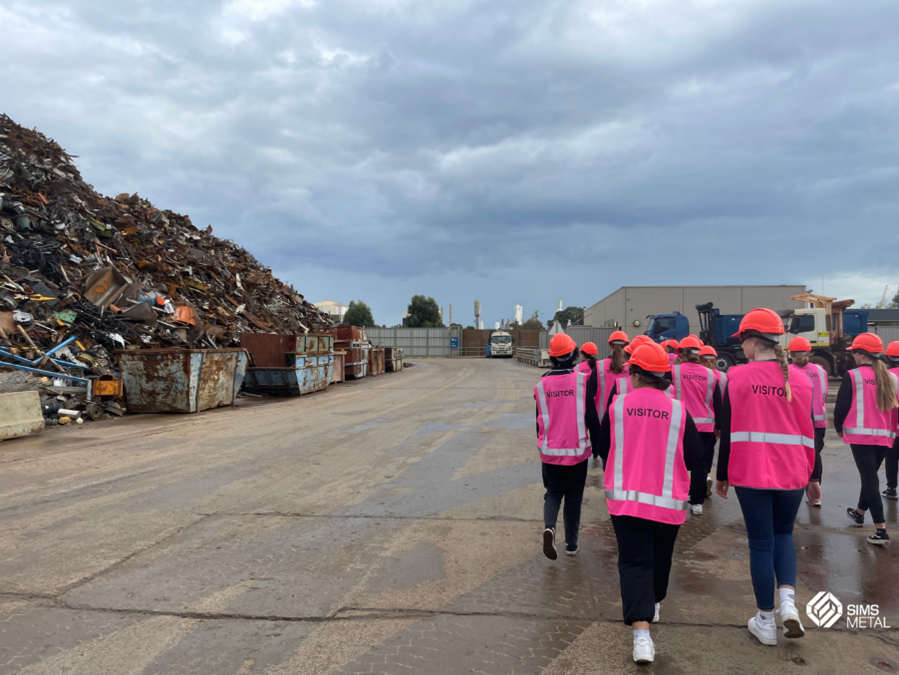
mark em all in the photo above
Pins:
pixel 762 320
pixel 893 349
pixel 800 344
pixel 589 348
pixel 707 350
pixel 651 357
pixel 636 342
pixel 670 344
pixel 690 342
pixel 619 336
pixel 561 344
pixel 867 342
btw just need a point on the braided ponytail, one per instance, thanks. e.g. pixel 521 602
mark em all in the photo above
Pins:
pixel 886 393
pixel 785 367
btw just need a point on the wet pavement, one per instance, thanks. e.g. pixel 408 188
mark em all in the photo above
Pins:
pixel 390 525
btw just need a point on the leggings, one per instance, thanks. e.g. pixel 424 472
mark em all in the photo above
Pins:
pixel 769 516
pixel 868 459
pixel 892 464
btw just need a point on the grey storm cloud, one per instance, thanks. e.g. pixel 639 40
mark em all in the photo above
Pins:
pixel 661 141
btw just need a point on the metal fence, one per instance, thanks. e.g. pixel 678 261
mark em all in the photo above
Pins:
pixel 418 342
pixel 582 334
pixel 887 333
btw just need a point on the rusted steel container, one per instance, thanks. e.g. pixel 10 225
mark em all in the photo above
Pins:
pixel 356 365
pixel 350 334
pixel 376 361
pixel 393 359
pixel 268 351
pixel 305 375
pixel 337 370
pixel 181 380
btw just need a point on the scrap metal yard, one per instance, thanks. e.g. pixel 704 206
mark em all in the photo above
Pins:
pixel 390 525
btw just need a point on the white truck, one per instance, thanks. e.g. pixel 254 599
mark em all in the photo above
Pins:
pixel 500 344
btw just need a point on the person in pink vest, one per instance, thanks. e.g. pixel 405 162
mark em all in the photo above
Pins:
pixel 800 351
pixel 767 453
pixel 566 424
pixel 697 387
pixel 709 358
pixel 611 370
pixel 671 350
pixel 892 454
pixel 649 442
pixel 623 384
pixel 588 358
pixel 865 417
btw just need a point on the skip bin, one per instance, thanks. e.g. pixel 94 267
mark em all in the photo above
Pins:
pixel 307 374
pixel 181 380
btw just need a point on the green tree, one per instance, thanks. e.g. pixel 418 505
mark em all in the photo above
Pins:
pixel 359 314
pixel 533 323
pixel 424 313
pixel 895 303
pixel 573 314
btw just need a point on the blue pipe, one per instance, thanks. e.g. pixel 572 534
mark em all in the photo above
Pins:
pixel 58 347
pixel 5 352
pixel 46 373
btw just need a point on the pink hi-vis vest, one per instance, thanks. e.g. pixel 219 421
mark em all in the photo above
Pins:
pixel 722 382
pixel 672 358
pixel 895 372
pixel 605 380
pixel 562 436
pixel 695 386
pixel 772 439
pixel 865 424
pixel 818 377
pixel 645 473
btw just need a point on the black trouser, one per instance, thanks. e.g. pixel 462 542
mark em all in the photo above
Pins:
pixel 819 446
pixel 568 482
pixel 698 486
pixel 645 549
pixel 892 463
pixel 868 459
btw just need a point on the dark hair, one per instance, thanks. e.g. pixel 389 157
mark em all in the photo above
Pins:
pixel 566 361
pixel 618 360
pixel 589 358
pixel 660 381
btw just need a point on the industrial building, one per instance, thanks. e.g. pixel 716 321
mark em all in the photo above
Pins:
pixel 629 306
pixel 335 310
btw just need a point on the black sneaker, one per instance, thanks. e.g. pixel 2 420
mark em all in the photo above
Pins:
pixel 857 518
pixel 549 543
pixel 890 493
pixel 879 538
pixel 571 549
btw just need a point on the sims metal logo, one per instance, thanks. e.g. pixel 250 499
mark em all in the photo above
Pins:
pixel 824 610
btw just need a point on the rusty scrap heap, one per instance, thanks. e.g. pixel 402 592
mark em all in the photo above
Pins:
pixel 119 273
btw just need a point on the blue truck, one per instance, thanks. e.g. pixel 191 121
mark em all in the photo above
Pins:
pixel 828 325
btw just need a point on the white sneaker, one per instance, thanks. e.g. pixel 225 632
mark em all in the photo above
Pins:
pixel 655 617
pixel 708 486
pixel 696 509
pixel 789 616
pixel 765 632
pixel 644 650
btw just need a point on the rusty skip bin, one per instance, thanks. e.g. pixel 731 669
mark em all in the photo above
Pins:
pixel 181 380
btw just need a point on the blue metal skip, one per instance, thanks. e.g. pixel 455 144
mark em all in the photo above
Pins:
pixel 308 374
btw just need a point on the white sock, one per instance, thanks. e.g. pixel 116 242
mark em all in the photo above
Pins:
pixel 767 617
pixel 641 633
pixel 787 595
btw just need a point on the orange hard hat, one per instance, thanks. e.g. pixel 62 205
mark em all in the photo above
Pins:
pixel 589 348
pixel 561 344
pixel 650 356
pixel 893 349
pixel 800 344
pixel 619 336
pixel 761 320
pixel 636 342
pixel 708 350
pixel 867 342
pixel 672 344
pixel 690 342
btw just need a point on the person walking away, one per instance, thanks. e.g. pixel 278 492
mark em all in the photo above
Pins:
pixel 800 350
pixel 566 424
pixel 588 358
pixel 709 358
pixel 623 385
pixel 697 387
pixel 767 453
pixel 650 443
pixel 613 369
pixel 865 417
pixel 892 454
pixel 671 350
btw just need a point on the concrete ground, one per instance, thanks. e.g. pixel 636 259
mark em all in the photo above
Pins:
pixel 391 525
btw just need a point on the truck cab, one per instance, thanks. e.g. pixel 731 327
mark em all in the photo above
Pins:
pixel 663 327
pixel 829 334
pixel 500 344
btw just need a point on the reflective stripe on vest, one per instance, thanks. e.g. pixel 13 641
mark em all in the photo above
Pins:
pixel 861 430
pixel 666 499
pixel 601 386
pixel 763 437
pixel 581 411
pixel 815 386
pixel 709 395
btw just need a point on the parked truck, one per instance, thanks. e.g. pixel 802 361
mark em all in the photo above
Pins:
pixel 500 344
pixel 827 324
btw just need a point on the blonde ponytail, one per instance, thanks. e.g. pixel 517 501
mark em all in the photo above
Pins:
pixel 886 392
pixel 785 367
pixel 617 365
pixel 800 359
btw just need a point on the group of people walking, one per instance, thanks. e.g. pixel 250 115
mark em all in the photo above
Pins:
pixel 653 415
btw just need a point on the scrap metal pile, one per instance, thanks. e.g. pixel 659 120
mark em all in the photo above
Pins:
pixel 82 274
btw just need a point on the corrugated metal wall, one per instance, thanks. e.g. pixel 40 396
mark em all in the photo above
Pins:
pixel 887 333
pixel 416 342
pixel 582 334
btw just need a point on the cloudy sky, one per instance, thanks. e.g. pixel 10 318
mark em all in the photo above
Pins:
pixel 513 151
